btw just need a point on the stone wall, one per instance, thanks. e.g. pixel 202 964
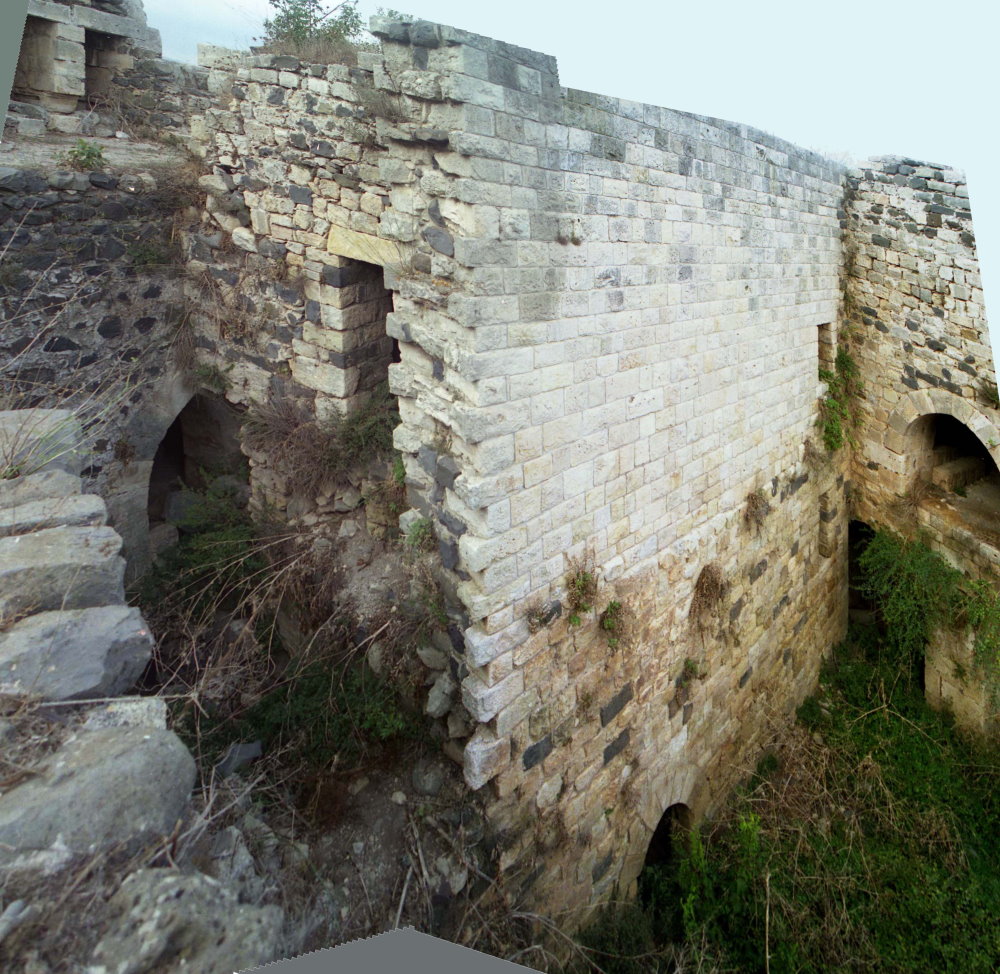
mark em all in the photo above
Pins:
pixel 70 53
pixel 603 323
pixel 917 328
pixel 94 309
pixel 608 318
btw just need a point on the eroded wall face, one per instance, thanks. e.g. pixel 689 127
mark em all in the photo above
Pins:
pixel 918 331
pixel 608 318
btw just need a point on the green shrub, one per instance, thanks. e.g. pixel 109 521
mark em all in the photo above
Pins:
pixel 322 712
pixel 86 156
pixel 913 587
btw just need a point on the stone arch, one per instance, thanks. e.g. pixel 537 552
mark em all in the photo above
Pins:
pixel 203 441
pixel 128 492
pixel 684 784
pixel 897 455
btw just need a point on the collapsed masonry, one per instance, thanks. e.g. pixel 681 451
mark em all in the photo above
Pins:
pixel 603 322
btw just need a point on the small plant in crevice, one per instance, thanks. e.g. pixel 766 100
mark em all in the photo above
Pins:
pixel 617 623
pixel 812 457
pixel 756 509
pixel 910 502
pixel 839 410
pixel 210 376
pixel 989 393
pixel 85 156
pixel 420 535
pixel 312 454
pixel 690 671
pixel 538 616
pixel 581 591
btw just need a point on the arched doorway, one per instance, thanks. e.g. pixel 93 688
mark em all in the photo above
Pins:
pixel 949 462
pixel 200 446
pixel 948 454
pixel 672 828
pixel 659 885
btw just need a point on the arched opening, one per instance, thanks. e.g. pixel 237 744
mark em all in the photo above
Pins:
pixel 200 447
pixel 674 825
pixel 947 454
pixel 951 463
pixel 659 885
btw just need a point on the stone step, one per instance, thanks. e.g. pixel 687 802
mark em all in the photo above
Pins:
pixel 78 653
pixel 60 568
pixel 101 789
pixel 38 486
pixel 53 512
pixel 39 439
pixel 959 473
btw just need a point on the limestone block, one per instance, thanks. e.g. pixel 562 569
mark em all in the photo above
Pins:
pixel 484 757
pixel 483 701
pixel 45 484
pixel 82 653
pixel 102 788
pixel 60 568
pixel 80 509
pixel 323 377
pixel 363 247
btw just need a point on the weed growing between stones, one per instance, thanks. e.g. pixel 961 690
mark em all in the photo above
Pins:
pixel 85 156
pixel 311 454
pixel 581 591
pixel 756 509
pixel 839 411
pixel 420 535
pixel 989 393
pixel 617 622
pixel 709 591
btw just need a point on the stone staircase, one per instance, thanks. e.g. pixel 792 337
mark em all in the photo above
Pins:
pixel 119 780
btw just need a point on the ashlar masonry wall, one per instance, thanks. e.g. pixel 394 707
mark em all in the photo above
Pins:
pixel 608 318
pixel 917 329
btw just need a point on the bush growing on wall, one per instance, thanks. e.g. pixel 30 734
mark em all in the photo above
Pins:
pixel 300 22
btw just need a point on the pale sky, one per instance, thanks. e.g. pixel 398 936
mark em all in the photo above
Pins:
pixel 915 79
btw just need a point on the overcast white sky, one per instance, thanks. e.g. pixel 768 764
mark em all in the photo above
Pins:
pixel 918 79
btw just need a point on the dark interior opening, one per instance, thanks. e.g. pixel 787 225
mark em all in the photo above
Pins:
pixel 659 886
pixel 100 52
pixel 201 445
pixel 673 824
pixel 953 440
pixel 861 609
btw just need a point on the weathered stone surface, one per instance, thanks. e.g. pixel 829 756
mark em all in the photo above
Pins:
pixel 129 712
pixel 39 439
pixel 102 788
pixel 38 486
pixel 60 568
pixel 362 246
pixel 168 921
pixel 81 509
pixel 82 653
